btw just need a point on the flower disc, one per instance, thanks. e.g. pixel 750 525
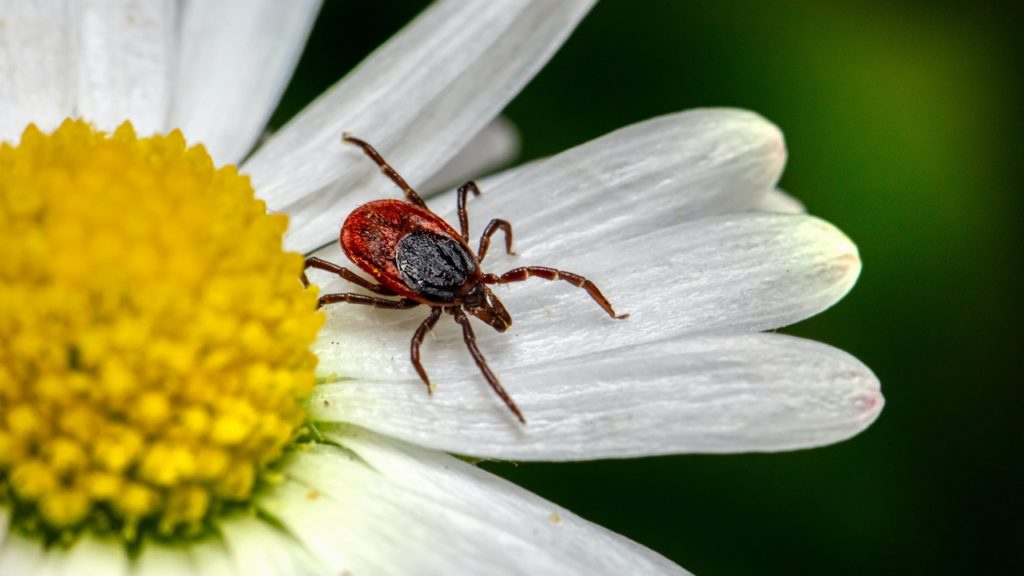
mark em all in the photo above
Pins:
pixel 155 356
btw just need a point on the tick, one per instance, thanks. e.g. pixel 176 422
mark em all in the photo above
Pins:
pixel 414 255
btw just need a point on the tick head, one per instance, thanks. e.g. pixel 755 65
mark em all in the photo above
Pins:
pixel 476 297
pixel 483 304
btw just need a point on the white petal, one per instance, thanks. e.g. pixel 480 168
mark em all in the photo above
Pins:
pixel 419 98
pixel 37 65
pixel 640 178
pixel 261 549
pixel 314 521
pixel 236 59
pixel 20 555
pixel 643 177
pixel 778 201
pixel 754 392
pixel 739 272
pixel 89 554
pixel 156 559
pixel 405 510
pixel 52 562
pixel 495 145
pixel 126 55
pixel 211 558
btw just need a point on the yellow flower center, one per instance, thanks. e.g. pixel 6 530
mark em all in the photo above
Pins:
pixel 154 337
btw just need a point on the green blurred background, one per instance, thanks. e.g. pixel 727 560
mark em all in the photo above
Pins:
pixel 900 122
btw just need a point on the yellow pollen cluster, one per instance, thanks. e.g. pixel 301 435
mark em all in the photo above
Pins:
pixel 154 337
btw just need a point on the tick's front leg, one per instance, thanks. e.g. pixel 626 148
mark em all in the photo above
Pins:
pixel 520 274
pixel 470 339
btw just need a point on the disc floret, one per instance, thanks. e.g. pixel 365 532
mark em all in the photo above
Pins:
pixel 155 357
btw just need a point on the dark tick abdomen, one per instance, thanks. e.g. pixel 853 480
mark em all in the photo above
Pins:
pixel 433 265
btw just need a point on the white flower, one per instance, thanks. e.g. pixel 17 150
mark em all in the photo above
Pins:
pixel 676 219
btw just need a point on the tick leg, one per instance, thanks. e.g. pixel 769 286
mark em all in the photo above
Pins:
pixel 417 339
pixel 463 216
pixel 470 339
pixel 320 264
pixel 520 274
pixel 367 300
pixel 485 239
pixel 388 171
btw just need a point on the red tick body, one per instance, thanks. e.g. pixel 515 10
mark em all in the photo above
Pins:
pixel 414 254
pixel 372 234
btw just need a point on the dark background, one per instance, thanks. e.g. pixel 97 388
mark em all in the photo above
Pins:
pixel 902 126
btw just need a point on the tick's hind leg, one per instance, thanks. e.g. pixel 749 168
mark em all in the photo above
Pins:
pixel 350 298
pixel 520 274
pixel 417 339
pixel 388 171
pixel 320 264
pixel 470 339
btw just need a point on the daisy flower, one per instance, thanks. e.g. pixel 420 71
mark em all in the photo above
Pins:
pixel 170 399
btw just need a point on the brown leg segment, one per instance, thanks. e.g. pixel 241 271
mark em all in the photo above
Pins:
pixel 485 239
pixel 367 300
pixel 520 274
pixel 321 264
pixel 470 339
pixel 417 339
pixel 463 215
pixel 388 171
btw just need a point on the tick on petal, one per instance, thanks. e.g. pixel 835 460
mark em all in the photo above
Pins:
pixel 418 258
